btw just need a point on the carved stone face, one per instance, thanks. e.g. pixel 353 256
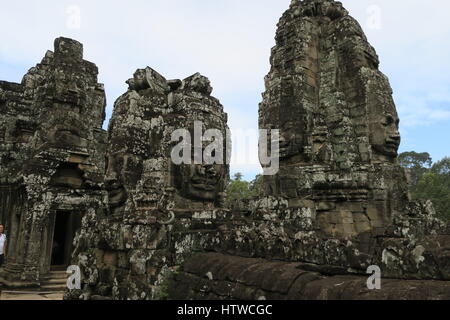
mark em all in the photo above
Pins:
pixel 69 137
pixel 200 182
pixel 140 80
pixel 116 192
pixel 384 134
pixel 122 175
pixel 198 83
pixel 70 89
pixel 291 140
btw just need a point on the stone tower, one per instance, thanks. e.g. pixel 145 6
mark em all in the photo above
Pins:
pixel 339 205
pixel 337 120
pixel 158 212
pixel 52 160
pixel 340 199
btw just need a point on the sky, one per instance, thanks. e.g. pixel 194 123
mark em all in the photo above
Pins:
pixel 229 41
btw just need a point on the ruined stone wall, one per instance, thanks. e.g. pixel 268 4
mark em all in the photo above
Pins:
pixel 17 125
pixel 141 214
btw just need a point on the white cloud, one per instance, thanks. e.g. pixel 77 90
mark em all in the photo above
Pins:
pixel 420 111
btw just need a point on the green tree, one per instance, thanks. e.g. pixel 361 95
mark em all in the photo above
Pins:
pixel 417 164
pixel 239 190
pixel 435 187
pixel 256 186
pixel 429 181
pixel 442 167
pixel 238 176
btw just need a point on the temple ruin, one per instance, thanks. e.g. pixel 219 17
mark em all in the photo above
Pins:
pixel 157 213
pixel 141 226
pixel 339 203
pixel 52 160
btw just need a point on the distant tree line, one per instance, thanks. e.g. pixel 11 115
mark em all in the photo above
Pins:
pixel 239 191
pixel 429 181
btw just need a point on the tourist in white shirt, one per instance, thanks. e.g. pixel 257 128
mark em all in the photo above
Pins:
pixel 2 245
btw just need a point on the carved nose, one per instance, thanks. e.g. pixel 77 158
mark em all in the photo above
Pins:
pixel 201 170
pixel 111 178
pixel 282 141
pixel 396 136
pixel 211 170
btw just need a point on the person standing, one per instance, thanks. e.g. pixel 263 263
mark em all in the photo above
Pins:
pixel 2 245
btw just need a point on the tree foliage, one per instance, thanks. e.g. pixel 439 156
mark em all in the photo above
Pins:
pixel 256 186
pixel 417 164
pixel 239 190
pixel 435 187
pixel 429 181
pixel 442 167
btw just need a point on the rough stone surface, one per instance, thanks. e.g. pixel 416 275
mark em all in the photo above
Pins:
pixel 134 214
pixel 338 204
pixel 340 198
pixel 214 276
pixel 340 201
pixel 51 156
pixel 157 213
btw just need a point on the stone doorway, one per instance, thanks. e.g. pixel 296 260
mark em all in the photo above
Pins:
pixel 66 225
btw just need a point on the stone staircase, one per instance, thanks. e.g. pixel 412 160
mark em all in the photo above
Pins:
pixel 56 282
pixel 52 288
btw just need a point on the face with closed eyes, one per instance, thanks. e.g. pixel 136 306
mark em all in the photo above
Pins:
pixel 384 134
pixel 200 182
pixel 291 140
pixel 123 174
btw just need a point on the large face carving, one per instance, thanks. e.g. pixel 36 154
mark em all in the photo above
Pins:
pixel 129 147
pixel 69 137
pixel 200 182
pixel 203 181
pixel 194 181
pixel 291 139
pixel 383 118
pixel 198 83
pixel 69 88
pixel 123 172
pixel 384 134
